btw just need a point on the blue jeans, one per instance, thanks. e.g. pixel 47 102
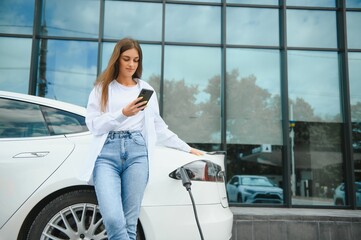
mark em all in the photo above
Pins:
pixel 120 177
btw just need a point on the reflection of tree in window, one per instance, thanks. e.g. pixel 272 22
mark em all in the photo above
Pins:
pixel 253 113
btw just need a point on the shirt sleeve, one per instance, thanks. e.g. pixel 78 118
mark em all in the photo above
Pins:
pixel 165 136
pixel 99 122
pixel 168 138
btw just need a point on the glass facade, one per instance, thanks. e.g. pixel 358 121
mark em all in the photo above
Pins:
pixel 274 83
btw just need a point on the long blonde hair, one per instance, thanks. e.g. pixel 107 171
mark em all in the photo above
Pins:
pixel 112 70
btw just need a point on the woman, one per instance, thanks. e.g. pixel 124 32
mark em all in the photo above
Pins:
pixel 125 129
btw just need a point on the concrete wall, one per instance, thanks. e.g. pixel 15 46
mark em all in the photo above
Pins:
pixel 296 224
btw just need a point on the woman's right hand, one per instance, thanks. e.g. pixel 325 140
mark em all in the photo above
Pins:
pixel 134 107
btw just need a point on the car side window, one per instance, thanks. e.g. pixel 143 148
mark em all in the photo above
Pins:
pixel 63 122
pixel 21 119
pixel 234 180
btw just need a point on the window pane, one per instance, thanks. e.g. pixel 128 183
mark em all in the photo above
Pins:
pixel 254 133
pixel 15 56
pixel 265 2
pixel 355 95
pixel 353 3
pixel 353 29
pixel 192 105
pixel 62 122
pixel 316 129
pixel 307 28
pixel 205 1
pixel 67 71
pixel 314 86
pixel 71 18
pixel 249 26
pixel 106 54
pixel 142 21
pixel 152 56
pixel 253 97
pixel 312 3
pixel 188 23
pixel 16 16
pixel 355 83
pixel 20 119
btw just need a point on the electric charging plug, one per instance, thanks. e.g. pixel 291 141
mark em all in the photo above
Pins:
pixel 185 178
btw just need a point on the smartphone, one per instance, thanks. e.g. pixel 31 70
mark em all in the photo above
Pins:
pixel 146 94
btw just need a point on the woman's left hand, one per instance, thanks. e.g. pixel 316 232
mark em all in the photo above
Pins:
pixel 196 152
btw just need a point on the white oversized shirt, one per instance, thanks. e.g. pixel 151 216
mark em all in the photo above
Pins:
pixel 132 123
pixel 154 131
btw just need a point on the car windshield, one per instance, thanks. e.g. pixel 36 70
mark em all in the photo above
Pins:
pixel 252 181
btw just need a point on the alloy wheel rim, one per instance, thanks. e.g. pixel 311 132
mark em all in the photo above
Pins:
pixel 78 221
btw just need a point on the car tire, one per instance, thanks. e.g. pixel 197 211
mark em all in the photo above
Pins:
pixel 73 215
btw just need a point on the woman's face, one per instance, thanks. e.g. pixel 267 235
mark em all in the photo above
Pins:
pixel 128 63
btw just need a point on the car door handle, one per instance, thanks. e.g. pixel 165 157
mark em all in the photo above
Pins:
pixel 31 155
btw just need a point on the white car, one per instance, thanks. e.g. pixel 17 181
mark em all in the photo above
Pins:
pixel 44 144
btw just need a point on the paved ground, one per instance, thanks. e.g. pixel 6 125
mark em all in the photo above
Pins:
pixel 260 211
pixel 260 223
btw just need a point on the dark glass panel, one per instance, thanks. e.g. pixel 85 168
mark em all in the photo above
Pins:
pixel 20 119
pixel 62 122
pixel 254 174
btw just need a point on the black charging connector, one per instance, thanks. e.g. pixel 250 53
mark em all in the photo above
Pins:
pixel 185 178
pixel 187 184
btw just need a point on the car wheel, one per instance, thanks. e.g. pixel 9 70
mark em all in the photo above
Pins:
pixel 74 215
pixel 239 198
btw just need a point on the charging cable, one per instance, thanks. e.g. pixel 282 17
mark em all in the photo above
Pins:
pixel 187 184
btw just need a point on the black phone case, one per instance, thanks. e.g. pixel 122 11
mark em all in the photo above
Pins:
pixel 146 94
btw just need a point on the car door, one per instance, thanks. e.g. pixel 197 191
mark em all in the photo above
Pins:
pixel 28 155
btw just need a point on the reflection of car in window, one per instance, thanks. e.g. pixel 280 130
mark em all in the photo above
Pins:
pixel 253 189
pixel 339 197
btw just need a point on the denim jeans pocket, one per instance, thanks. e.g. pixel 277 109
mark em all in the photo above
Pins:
pixel 138 139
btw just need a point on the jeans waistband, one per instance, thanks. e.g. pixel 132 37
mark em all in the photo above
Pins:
pixel 122 134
